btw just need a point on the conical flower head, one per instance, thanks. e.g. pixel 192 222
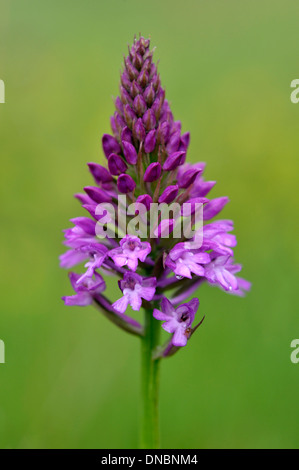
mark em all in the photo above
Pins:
pixel 146 165
pixel 143 123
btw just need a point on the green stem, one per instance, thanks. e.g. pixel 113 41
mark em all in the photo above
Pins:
pixel 150 383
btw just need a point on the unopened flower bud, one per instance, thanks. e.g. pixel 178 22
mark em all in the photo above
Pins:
pixel 204 187
pixel 189 177
pixel 144 42
pixel 137 61
pixel 174 160
pixel 132 72
pixel 163 132
pixel 125 184
pixel 150 141
pixel 97 194
pixel 193 205
pixel 113 125
pixel 100 173
pixel 185 140
pixel 125 97
pixel 126 135
pixel 146 200
pixel 153 71
pixel 153 172
pixel 130 153
pixel 125 80
pixel 119 105
pixel 149 94
pixel 156 82
pixel 116 164
pixel 130 116
pixel 174 143
pixel 135 89
pixel 139 105
pixel 157 108
pixel 147 64
pixel 177 126
pixel 119 122
pixel 149 119
pixel 143 78
pixel 166 114
pixel 138 130
pixel 169 194
pixel 110 145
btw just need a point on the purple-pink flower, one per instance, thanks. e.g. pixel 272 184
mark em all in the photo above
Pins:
pixel 85 291
pixel 134 289
pixel 97 253
pixel 221 270
pixel 177 321
pixel 130 251
pixel 185 262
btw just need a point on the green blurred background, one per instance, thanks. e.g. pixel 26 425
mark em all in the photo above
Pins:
pixel 71 379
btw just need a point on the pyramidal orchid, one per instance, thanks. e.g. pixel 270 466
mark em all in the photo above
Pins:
pixel 134 229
